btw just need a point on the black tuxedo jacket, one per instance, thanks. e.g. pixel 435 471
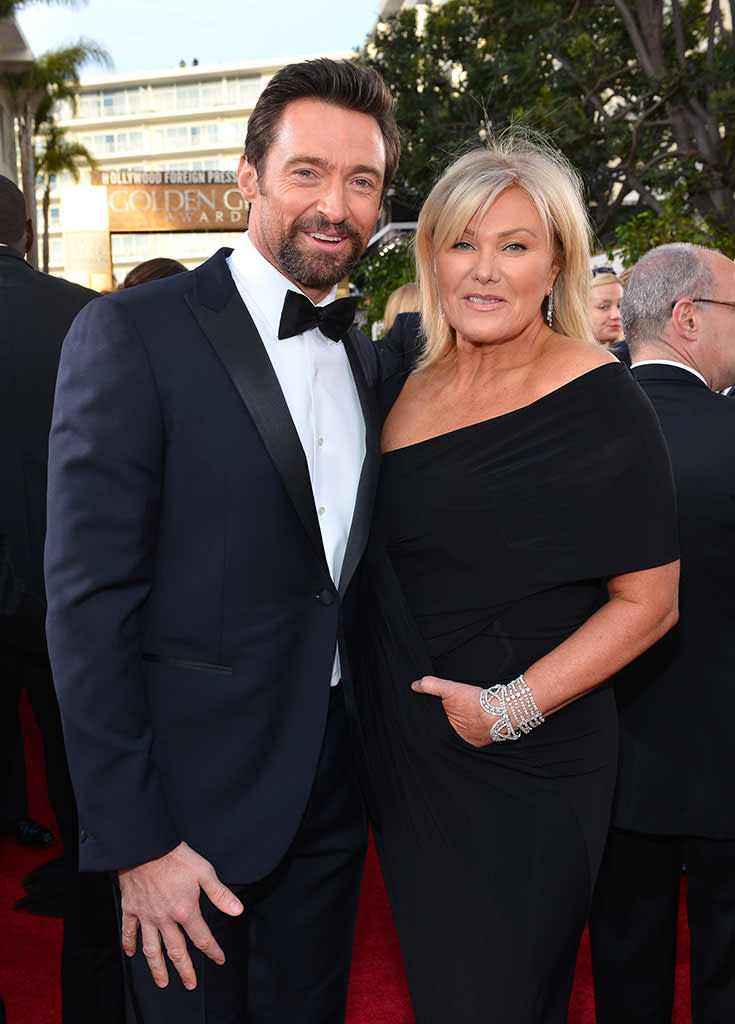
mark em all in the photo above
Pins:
pixel 192 619
pixel 677 701
pixel 35 313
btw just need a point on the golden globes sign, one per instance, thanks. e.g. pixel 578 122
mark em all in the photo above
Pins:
pixel 172 200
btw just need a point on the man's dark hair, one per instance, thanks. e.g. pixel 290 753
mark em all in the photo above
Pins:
pixel 12 212
pixel 342 83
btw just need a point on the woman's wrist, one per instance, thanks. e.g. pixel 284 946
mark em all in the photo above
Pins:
pixel 514 708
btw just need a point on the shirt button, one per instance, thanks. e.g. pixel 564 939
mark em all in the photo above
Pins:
pixel 320 442
pixel 316 371
pixel 322 510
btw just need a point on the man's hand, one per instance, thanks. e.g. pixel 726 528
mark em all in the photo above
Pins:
pixel 162 898
pixel 461 704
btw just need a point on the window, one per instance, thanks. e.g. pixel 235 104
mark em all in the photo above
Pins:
pixel 243 92
pixel 212 95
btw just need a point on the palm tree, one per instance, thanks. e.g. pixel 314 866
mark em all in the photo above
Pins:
pixel 32 93
pixel 58 154
pixel 8 8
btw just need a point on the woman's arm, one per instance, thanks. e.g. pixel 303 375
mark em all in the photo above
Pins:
pixel 641 607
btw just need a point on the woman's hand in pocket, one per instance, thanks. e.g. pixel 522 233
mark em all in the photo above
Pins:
pixel 461 703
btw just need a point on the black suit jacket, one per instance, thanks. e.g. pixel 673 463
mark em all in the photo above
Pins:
pixel 35 313
pixel 192 619
pixel 402 345
pixel 21 614
pixel 677 701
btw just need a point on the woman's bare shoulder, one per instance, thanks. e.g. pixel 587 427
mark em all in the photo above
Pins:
pixel 571 357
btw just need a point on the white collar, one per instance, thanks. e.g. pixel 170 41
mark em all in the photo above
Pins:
pixel 669 362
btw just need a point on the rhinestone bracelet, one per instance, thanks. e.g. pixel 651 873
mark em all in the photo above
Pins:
pixel 502 699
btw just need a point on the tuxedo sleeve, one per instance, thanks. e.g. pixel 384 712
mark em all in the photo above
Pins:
pixel 105 465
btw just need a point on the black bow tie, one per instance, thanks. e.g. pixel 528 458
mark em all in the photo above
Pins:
pixel 300 315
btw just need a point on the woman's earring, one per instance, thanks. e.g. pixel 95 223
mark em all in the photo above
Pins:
pixel 550 306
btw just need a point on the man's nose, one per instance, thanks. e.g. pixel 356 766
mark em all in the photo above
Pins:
pixel 332 203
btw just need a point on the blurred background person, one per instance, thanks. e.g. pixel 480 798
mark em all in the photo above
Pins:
pixel 36 311
pixel 404 299
pixel 494 594
pixel 403 338
pixel 152 270
pixel 605 294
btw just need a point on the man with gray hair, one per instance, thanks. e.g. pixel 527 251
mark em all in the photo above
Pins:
pixel 673 803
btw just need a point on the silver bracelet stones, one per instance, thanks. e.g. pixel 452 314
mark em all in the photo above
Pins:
pixel 508 702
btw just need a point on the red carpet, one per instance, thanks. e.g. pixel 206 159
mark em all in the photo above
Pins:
pixel 30 947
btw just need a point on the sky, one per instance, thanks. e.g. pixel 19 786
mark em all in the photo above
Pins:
pixel 153 35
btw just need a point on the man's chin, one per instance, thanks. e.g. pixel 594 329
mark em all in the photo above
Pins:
pixel 321 270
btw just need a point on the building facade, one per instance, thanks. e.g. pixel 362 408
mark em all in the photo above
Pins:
pixel 15 56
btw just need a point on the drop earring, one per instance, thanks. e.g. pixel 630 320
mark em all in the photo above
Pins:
pixel 550 306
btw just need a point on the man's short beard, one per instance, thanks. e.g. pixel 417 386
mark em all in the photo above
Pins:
pixel 318 269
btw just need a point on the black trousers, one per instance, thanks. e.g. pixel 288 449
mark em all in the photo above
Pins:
pixel 91 979
pixel 289 954
pixel 34 675
pixel 634 921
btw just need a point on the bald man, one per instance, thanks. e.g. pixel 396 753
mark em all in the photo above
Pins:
pixel 674 802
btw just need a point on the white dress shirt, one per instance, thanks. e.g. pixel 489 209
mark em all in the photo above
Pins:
pixel 315 377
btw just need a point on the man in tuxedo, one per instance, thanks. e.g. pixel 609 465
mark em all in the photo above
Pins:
pixel 213 461
pixel 673 803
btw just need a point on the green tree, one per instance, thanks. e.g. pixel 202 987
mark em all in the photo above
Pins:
pixel 674 223
pixel 8 8
pixel 640 94
pixel 378 274
pixel 32 93
pixel 56 154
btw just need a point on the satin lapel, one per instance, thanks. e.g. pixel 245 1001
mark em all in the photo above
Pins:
pixel 235 338
pixel 368 482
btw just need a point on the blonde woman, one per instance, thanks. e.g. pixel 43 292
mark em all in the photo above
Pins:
pixel 496 602
pixel 606 295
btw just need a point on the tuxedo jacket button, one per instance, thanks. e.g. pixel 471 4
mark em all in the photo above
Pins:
pixel 326 596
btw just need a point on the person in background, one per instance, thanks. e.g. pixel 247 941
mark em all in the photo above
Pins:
pixel 152 270
pixel 673 803
pixel 494 594
pixel 213 464
pixel 403 339
pixel 404 299
pixel 606 292
pixel 37 310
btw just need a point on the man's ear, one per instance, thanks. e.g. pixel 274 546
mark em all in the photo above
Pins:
pixel 685 319
pixel 247 180
pixel 29 236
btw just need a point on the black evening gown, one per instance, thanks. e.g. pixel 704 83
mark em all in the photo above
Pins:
pixel 491 545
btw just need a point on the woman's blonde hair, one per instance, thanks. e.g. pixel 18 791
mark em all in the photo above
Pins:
pixel 607 278
pixel 404 299
pixel 468 188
